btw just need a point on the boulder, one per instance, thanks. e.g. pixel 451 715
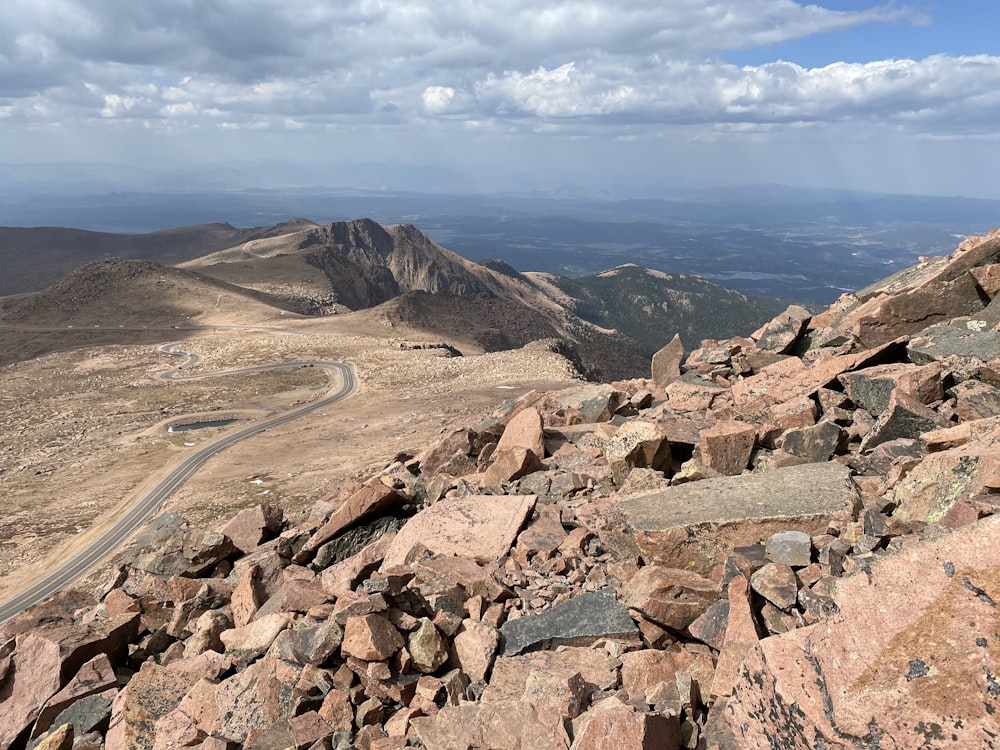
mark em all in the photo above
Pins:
pixel 695 526
pixel 374 499
pixel 962 351
pixel 904 314
pixel 908 662
pixel 251 526
pixel 871 387
pixel 152 693
pixel 476 526
pixel 59 739
pixel 666 364
pixel 427 648
pixel 726 447
pixel 94 677
pixel 904 417
pixel 636 444
pixel 582 620
pixel 508 725
pixel 741 636
pixel 781 334
pixel 256 638
pixel 169 546
pixel 953 476
pixel 816 443
pixel 628 728
pixel 370 637
pixel 524 431
pixel 474 647
pixel 792 548
pixel 670 597
pixel 32 678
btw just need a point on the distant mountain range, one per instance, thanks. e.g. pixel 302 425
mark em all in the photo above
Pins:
pixel 613 321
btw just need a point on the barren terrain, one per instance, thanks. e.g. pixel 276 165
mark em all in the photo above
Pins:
pixel 86 429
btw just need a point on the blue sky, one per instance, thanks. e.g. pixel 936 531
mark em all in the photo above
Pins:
pixel 516 94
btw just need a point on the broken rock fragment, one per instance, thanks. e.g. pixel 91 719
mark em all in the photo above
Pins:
pixel 695 526
pixel 582 620
pixel 476 526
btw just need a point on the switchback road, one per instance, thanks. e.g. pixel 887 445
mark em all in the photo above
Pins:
pixel 148 504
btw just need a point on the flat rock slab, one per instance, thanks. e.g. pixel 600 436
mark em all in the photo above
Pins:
pixel 509 725
pixel 578 622
pixel 696 525
pixel 911 656
pixel 963 351
pixel 477 526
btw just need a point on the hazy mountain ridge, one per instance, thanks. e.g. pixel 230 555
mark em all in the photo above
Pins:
pixel 614 321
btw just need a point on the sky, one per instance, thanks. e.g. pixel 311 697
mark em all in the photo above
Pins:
pixel 631 96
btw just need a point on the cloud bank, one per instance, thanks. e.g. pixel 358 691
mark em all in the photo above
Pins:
pixel 576 66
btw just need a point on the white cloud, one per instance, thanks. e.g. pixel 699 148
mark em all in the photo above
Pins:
pixel 437 98
pixel 579 66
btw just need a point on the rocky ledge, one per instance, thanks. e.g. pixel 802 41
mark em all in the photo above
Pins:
pixel 786 540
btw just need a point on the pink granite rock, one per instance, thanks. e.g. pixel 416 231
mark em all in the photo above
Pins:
pixel 257 637
pixel 666 364
pixel 671 597
pixel 474 647
pixel 628 728
pixel 910 662
pixel 741 636
pixel 726 446
pixel 370 638
pixel 251 526
pixel 508 725
pixel 153 692
pixel 524 431
pixel 32 678
pixel 478 526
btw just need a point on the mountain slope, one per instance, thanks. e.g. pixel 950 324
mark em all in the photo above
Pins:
pixel 650 306
pixel 137 292
pixel 614 321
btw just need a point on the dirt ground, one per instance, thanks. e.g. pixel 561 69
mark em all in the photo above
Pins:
pixel 85 430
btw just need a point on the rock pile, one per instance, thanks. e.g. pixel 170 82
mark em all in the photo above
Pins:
pixel 784 540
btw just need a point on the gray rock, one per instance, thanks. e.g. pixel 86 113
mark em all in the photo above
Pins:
pixel 789 548
pixel 580 621
pixel 963 351
pixel 880 459
pixel 352 541
pixel 905 417
pixel 88 714
pixel 818 442
pixel 696 525
pixel 168 546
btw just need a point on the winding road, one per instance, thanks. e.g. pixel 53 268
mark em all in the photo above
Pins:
pixel 148 504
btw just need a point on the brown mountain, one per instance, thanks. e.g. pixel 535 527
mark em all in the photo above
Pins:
pixel 302 267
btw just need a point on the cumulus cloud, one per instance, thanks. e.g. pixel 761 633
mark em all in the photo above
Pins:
pixel 437 98
pixel 537 64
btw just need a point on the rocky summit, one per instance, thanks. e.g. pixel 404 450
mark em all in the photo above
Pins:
pixel 783 540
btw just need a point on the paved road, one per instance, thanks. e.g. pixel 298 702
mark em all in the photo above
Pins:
pixel 148 504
